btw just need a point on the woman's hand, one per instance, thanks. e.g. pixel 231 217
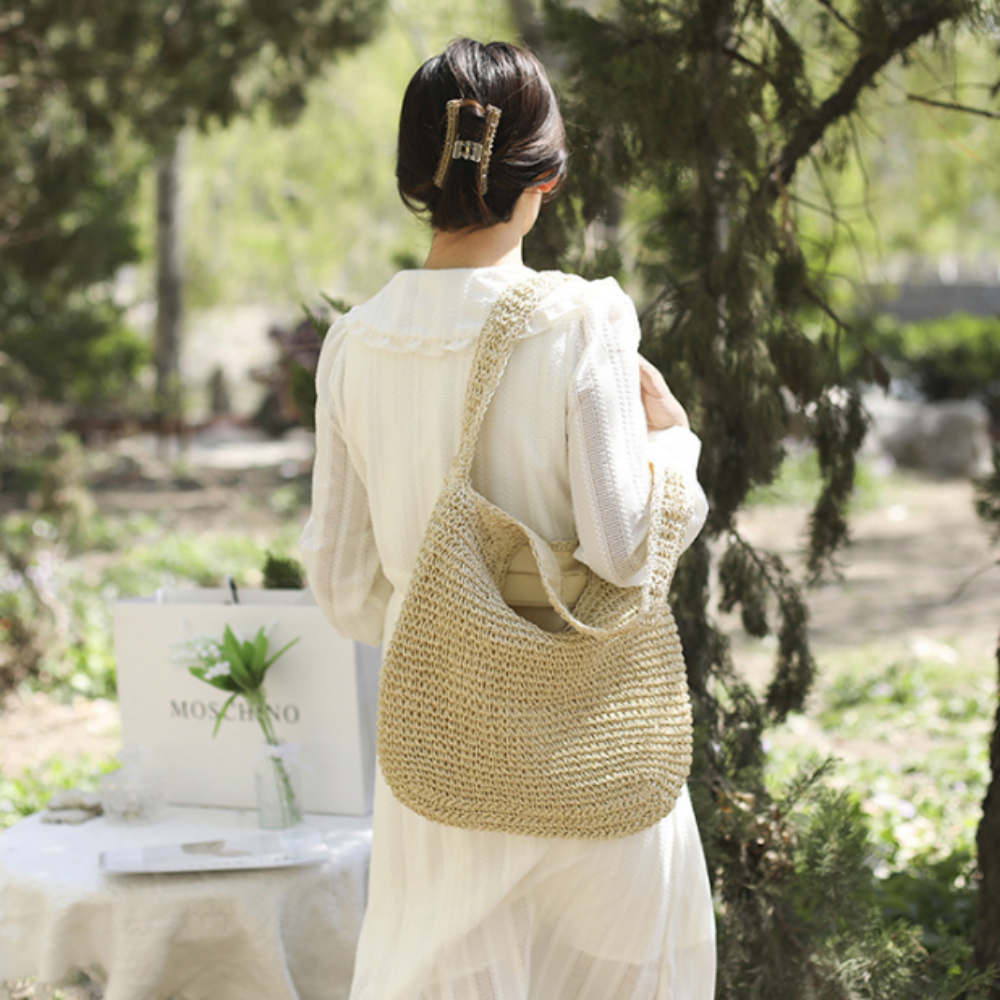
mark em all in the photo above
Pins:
pixel 660 404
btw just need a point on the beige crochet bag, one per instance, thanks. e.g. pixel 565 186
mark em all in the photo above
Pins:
pixel 489 722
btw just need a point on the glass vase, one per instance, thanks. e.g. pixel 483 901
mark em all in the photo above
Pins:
pixel 277 779
pixel 136 792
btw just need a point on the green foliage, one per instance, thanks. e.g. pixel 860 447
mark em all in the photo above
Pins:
pixel 234 665
pixel 924 187
pixel 798 868
pixel 988 497
pixel 30 792
pixel 159 67
pixel 56 610
pixel 26 621
pixel 66 230
pixel 283 573
pixel 953 358
pixel 302 377
pixel 934 894
pixel 920 807
pixel 40 465
pixel 934 701
pixel 302 385
pixel 89 90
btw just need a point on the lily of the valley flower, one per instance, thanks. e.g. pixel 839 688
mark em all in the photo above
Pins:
pixel 235 665
pixel 219 669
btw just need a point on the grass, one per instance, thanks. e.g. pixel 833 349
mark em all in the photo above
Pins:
pixel 798 483
pixel 909 733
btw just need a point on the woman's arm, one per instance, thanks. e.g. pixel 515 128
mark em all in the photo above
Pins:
pixel 610 449
pixel 671 441
pixel 338 542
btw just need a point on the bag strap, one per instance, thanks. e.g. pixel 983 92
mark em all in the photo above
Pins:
pixel 670 510
pixel 504 325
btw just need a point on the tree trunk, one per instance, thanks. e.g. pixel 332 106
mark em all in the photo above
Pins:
pixel 169 294
pixel 987 935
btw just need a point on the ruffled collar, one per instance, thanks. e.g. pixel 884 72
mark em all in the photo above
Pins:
pixel 439 311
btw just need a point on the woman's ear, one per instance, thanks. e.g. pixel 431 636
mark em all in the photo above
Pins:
pixel 547 186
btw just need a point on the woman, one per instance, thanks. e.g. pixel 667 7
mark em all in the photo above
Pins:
pixel 456 914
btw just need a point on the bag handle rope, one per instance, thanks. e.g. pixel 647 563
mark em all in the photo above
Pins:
pixel 504 325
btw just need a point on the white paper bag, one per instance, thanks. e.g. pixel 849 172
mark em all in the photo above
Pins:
pixel 321 693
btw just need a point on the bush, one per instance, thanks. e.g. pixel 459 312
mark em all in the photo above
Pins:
pixel 799 866
pixel 957 357
pixel 76 347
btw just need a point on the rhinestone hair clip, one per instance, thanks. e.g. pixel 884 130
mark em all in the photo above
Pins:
pixel 466 149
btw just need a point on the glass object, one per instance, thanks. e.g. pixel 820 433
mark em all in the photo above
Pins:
pixel 135 792
pixel 277 777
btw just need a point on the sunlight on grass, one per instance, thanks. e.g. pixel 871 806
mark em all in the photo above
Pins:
pixel 910 735
pixel 798 483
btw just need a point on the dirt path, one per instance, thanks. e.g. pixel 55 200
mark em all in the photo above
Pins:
pixel 920 567
pixel 920 570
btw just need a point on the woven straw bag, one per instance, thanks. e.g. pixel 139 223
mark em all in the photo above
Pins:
pixel 489 722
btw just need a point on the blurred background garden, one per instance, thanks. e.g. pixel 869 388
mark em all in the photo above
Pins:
pixel 803 198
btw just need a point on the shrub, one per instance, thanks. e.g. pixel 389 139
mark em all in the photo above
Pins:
pixel 957 357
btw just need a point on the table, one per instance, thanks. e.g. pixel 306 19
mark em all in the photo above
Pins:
pixel 278 934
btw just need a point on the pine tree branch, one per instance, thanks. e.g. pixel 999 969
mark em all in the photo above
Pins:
pixel 964 585
pixel 737 56
pixel 14 238
pixel 949 106
pixel 826 308
pixel 765 566
pixel 838 16
pixel 842 102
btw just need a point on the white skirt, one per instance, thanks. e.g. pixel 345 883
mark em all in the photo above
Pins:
pixel 469 915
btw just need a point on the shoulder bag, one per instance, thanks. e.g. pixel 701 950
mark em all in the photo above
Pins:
pixel 488 721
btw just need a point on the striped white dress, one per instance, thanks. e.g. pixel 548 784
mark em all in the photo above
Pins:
pixel 465 915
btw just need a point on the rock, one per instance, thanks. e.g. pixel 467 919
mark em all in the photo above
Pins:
pixel 948 438
pixel 74 799
pixel 72 817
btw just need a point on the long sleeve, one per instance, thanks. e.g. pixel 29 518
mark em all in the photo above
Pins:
pixel 609 448
pixel 338 542
pixel 679 449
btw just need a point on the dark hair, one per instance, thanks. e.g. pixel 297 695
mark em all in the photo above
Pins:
pixel 529 147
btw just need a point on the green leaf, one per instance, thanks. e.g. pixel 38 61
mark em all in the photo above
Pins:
pixel 233 651
pixel 280 651
pixel 258 656
pixel 222 713
pixel 223 683
pixel 231 645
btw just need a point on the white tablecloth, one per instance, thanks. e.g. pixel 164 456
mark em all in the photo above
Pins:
pixel 278 934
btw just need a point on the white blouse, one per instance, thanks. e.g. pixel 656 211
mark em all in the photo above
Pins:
pixel 563 448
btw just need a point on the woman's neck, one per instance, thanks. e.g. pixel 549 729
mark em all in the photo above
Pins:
pixel 495 246
pixel 491 247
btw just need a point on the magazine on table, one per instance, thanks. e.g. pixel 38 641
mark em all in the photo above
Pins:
pixel 264 849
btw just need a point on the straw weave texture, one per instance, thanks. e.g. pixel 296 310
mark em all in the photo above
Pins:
pixel 488 722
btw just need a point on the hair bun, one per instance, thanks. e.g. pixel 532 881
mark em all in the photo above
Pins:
pixel 479 125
